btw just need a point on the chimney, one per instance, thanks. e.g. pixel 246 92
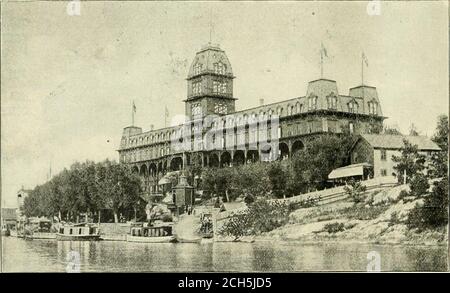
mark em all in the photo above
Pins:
pixel 261 102
pixel 152 127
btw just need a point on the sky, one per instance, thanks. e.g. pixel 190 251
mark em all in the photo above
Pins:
pixel 68 81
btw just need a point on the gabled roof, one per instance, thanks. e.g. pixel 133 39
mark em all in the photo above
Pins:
pixel 386 141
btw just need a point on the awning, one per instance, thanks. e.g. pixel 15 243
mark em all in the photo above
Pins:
pixel 348 171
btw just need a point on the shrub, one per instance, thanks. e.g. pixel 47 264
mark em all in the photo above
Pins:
pixel 166 218
pixel 403 194
pixel 249 199
pixel 355 189
pixel 394 219
pixel 334 227
pixel 434 212
pixel 419 185
pixel 261 216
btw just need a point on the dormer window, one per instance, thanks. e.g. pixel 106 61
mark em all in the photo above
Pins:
pixel 219 68
pixel 197 88
pixel 198 68
pixel 353 107
pixel 279 111
pixel 312 103
pixel 298 107
pixel 373 107
pixel 332 102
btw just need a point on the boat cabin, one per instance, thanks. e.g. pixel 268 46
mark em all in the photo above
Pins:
pixel 157 231
pixel 78 230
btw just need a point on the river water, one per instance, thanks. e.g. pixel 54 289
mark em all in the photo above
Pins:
pixel 19 255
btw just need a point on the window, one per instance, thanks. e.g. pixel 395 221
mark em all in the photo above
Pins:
pixel 220 108
pixel 219 87
pixel 351 127
pixel 298 107
pixel 219 68
pixel 196 110
pixel 312 103
pixel 383 172
pixel 353 107
pixel 373 107
pixel 279 111
pixel 197 88
pixel 332 102
pixel 198 68
pixel 383 155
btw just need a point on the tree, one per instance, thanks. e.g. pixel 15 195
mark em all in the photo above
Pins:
pixel 252 179
pixel 123 188
pixel 434 212
pixel 278 179
pixel 391 130
pixel 31 203
pixel 312 165
pixel 438 166
pixel 410 161
pixel 419 184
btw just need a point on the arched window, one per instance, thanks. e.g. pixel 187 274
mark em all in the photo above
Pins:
pixel 292 110
pixel 198 68
pixel 332 102
pixel 197 87
pixel 279 111
pixel 312 103
pixel 219 68
pixel 373 107
pixel 298 107
pixel 353 107
pixel 196 110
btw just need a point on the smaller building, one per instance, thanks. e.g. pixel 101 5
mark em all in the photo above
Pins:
pixel 378 149
pixel 9 218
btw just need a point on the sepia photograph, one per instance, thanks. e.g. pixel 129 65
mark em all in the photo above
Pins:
pixel 224 136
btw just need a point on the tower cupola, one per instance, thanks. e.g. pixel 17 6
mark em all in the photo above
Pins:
pixel 210 84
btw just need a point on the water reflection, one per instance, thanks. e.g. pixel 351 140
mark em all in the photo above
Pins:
pixel 48 255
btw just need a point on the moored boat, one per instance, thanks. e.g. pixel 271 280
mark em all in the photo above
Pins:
pixel 78 232
pixel 151 234
pixel 40 228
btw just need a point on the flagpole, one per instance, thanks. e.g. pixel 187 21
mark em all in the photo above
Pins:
pixel 362 69
pixel 321 64
pixel 132 114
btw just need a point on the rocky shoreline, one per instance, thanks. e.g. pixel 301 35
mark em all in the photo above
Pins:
pixel 379 220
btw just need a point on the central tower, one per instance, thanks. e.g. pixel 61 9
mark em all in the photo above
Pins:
pixel 209 84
